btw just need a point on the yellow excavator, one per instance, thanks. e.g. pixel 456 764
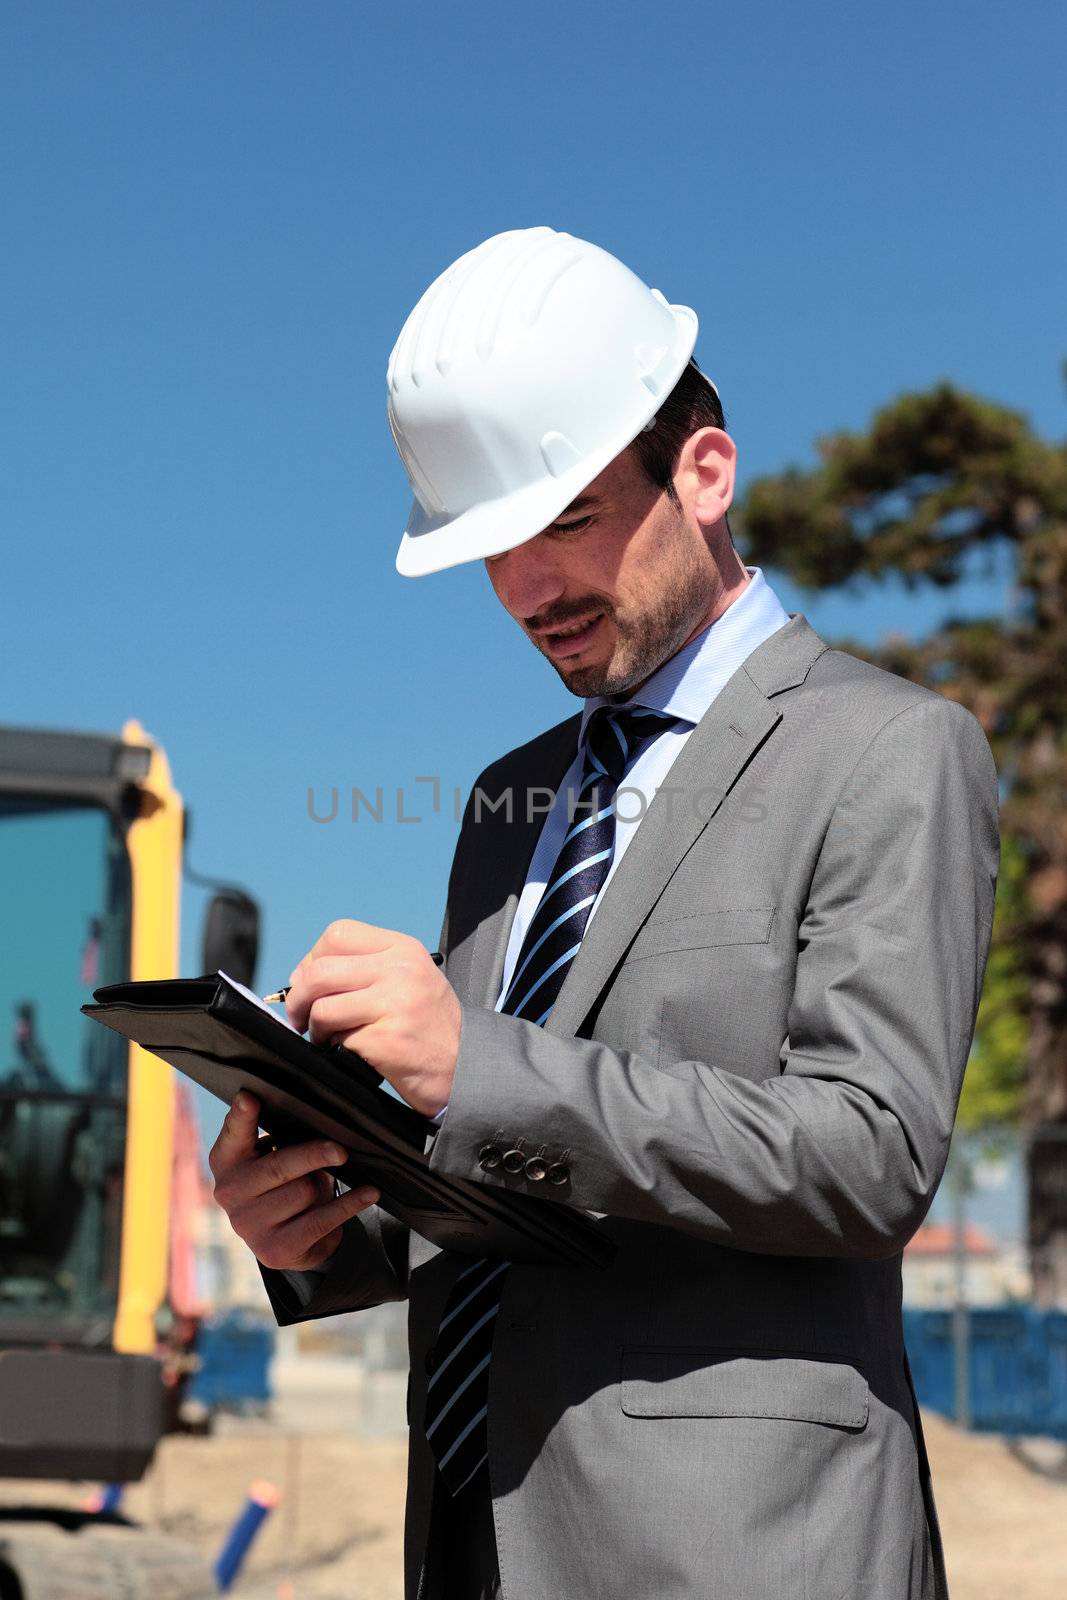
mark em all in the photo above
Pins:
pixel 91 843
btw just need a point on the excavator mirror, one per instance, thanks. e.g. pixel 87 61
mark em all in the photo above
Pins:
pixel 231 936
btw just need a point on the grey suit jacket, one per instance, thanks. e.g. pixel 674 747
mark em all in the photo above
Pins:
pixel 751 1074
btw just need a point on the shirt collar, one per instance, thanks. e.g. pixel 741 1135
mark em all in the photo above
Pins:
pixel 687 683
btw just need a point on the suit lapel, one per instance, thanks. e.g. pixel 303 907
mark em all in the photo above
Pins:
pixel 736 724
pixel 720 746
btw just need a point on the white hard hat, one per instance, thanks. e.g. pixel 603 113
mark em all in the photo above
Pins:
pixel 526 367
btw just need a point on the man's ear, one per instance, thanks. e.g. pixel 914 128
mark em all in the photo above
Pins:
pixel 705 475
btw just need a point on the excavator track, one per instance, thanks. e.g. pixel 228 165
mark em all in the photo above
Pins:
pixel 97 1559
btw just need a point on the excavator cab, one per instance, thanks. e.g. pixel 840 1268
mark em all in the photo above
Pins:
pixel 91 835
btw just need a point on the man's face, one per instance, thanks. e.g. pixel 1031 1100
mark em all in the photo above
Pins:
pixel 624 566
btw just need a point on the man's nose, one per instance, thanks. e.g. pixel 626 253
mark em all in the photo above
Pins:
pixel 526 580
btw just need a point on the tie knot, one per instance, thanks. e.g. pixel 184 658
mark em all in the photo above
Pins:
pixel 614 734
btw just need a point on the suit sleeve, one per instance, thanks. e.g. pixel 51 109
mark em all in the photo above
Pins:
pixel 838 1150
pixel 368 1268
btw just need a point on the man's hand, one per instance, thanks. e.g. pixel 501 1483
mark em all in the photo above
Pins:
pixel 378 993
pixel 281 1202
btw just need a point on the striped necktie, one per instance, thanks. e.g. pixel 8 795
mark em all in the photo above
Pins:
pixel 458 1392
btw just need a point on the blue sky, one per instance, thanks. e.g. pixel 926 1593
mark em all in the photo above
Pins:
pixel 217 216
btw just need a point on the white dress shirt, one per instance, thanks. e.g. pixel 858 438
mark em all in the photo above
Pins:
pixel 684 687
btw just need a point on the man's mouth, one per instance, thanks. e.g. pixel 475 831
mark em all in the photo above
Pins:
pixel 570 639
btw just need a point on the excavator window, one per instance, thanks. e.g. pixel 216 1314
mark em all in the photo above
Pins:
pixel 65 882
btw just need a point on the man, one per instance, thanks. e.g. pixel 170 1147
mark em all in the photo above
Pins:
pixel 721 997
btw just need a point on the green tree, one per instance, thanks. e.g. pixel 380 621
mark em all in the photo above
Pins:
pixel 938 480
pixel 995 1082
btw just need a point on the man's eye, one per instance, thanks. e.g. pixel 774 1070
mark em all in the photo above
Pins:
pixel 572 527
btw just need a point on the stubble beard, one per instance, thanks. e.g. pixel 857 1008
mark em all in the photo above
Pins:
pixel 653 632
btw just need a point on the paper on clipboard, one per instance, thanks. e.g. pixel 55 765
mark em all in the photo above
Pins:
pixel 260 1005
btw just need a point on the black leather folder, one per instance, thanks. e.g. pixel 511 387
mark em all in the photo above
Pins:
pixel 213 1033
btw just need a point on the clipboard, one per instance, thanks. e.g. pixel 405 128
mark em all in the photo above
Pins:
pixel 225 1039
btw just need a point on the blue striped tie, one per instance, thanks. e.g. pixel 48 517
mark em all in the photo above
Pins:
pixel 458 1392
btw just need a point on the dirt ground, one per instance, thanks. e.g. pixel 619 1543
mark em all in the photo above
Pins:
pixel 336 1534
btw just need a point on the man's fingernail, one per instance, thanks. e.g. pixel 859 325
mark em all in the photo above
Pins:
pixel 240 1101
pixel 366 1197
pixel 333 1155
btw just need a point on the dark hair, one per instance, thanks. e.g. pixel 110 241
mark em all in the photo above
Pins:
pixel 692 404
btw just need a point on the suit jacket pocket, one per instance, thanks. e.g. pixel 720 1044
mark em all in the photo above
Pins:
pixel 736 925
pixel 678 1382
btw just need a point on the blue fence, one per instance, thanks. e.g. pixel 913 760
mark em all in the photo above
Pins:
pixel 234 1351
pixel 1018 1367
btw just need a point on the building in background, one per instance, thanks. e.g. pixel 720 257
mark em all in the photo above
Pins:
pixel 995 1271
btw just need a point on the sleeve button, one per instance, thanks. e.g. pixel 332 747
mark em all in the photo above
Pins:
pixel 514 1161
pixel 490 1156
pixel 559 1173
pixel 536 1168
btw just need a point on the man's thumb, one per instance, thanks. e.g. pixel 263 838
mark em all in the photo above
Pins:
pixel 240 1126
